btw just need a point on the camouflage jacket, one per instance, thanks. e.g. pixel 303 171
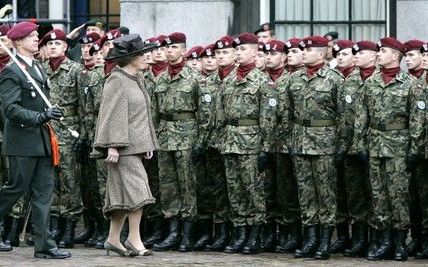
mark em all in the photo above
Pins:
pixel 422 93
pixel 389 117
pixel 244 101
pixel 349 90
pixel 150 82
pixel 90 85
pixel 174 97
pixel 278 121
pixel 314 111
pixel 63 89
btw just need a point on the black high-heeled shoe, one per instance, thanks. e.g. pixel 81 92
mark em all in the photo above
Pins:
pixel 109 247
pixel 137 252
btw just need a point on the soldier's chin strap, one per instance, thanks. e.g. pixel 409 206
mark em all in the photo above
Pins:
pixel 33 82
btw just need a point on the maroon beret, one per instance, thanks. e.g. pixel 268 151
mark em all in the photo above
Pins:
pixel 424 48
pixel 90 38
pixel 160 40
pixel 391 42
pixel 55 34
pixel 363 45
pixel 208 51
pixel 245 38
pixel 413 45
pixel 175 38
pixel 20 30
pixel 292 43
pixel 224 42
pixel 194 52
pixel 261 46
pixel 110 36
pixel 96 47
pixel 150 40
pixel 274 45
pixel 4 28
pixel 339 45
pixel 313 41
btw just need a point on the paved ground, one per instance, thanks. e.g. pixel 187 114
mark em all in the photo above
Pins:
pixel 93 257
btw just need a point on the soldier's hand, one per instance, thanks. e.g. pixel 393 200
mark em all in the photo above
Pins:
pixel 262 160
pixel 53 113
pixel 339 157
pixel 364 157
pixel 411 162
pixel 198 153
pixel 75 32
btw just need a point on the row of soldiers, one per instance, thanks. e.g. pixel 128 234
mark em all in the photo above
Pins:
pixel 260 138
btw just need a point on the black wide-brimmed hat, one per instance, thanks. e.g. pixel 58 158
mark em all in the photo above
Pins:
pixel 129 45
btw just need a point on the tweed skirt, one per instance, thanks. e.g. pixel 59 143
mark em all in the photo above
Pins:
pixel 127 187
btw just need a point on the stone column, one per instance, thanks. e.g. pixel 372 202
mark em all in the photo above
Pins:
pixel 203 21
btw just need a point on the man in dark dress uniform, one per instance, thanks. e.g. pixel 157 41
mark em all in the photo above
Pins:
pixel 26 140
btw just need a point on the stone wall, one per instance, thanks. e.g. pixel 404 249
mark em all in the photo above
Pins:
pixel 412 19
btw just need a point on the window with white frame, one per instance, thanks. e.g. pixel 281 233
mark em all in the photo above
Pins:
pixel 352 19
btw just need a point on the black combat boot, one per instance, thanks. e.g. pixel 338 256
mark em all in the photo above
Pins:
pixel 400 253
pixel 384 251
pixel 238 241
pixel 172 240
pixel 310 242
pixel 157 234
pixel 3 246
pixel 16 228
pixel 294 240
pixel 220 238
pixel 104 234
pixel 88 230
pixel 342 242
pixel 374 243
pixel 359 241
pixel 268 237
pixel 323 252
pixel 205 235
pixel 57 227
pixel 423 253
pixel 186 244
pixel 67 240
pixel 253 243
pixel 282 238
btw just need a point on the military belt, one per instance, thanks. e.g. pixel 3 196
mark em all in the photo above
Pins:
pixel 242 122
pixel 388 126
pixel 68 111
pixel 315 123
pixel 178 116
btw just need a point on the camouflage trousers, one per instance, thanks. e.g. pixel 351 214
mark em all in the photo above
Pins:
pixel 316 183
pixel 418 199
pixel 282 202
pixel 245 189
pixel 177 185
pixel 153 210
pixel 89 188
pixel 356 185
pixel 18 210
pixel 212 199
pixel 67 201
pixel 389 182
pixel 102 179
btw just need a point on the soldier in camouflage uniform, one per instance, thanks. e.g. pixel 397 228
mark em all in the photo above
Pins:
pixel 413 59
pixel 63 74
pixel 92 182
pixel 389 130
pixel 358 203
pixel 176 103
pixel 242 116
pixel 313 102
pixel 421 169
pixel 225 57
pixel 288 210
pixel 153 212
pixel 193 60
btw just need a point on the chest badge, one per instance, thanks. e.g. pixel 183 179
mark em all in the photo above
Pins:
pixel 85 90
pixel 272 102
pixel 33 94
pixel 48 82
pixel 421 104
pixel 207 98
pixel 348 99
